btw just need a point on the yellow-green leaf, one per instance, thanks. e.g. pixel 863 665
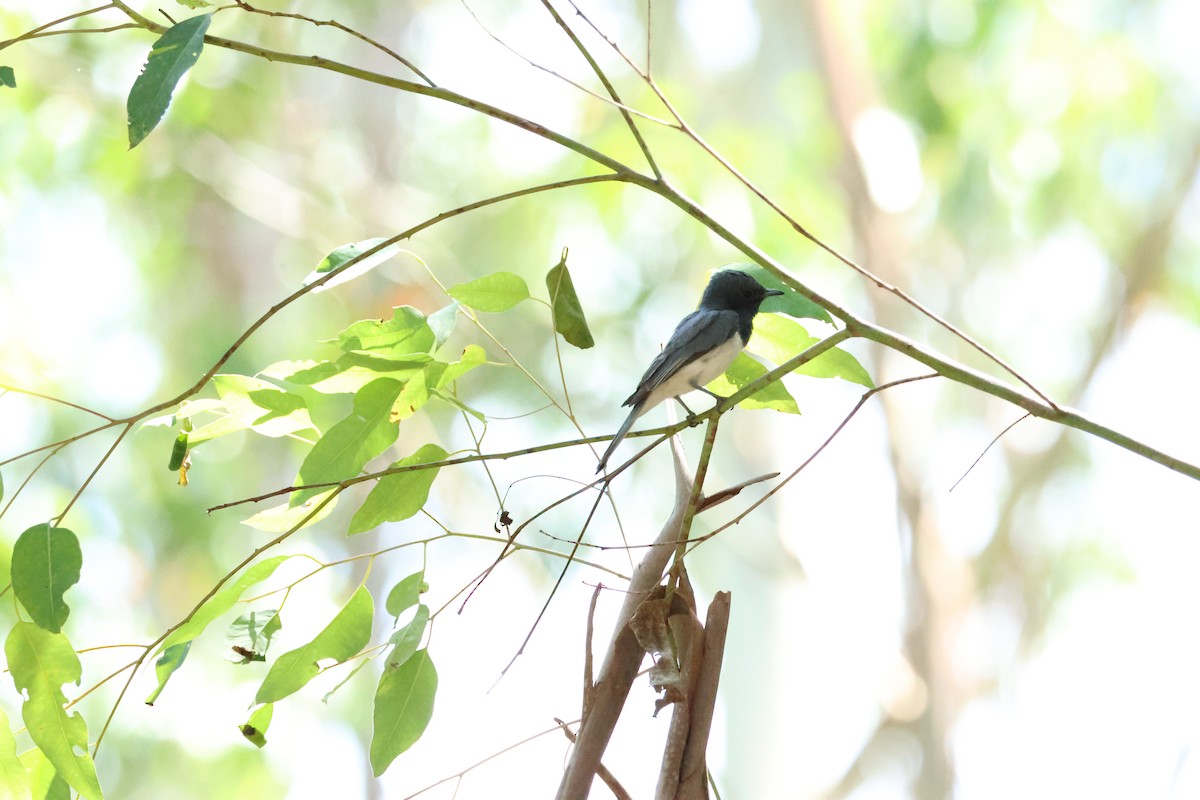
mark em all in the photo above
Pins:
pixel 40 663
pixel 14 783
pixel 255 729
pixel 499 291
pixel 45 563
pixel 398 497
pixel 403 708
pixel 285 517
pixel 779 339
pixel 174 649
pixel 345 635
pixel 746 370
pixel 353 441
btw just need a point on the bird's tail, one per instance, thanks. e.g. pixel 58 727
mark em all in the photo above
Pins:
pixel 634 413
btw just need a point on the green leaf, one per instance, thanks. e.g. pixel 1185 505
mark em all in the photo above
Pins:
pixel 194 3
pixel 746 370
pixel 169 659
pixel 14 783
pixel 499 291
pixel 174 648
pixel 284 517
pixel 40 663
pixel 353 371
pixel 472 357
pixel 346 253
pixel 8 77
pixel 398 497
pixel 403 708
pixel 222 426
pixel 413 396
pixel 569 320
pixel 255 729
pixel 44 782
pixel 171 56
pixel 347 634
pixel 442 323
pixel 779 339
pixel 45 563
pixel 249 636
pixel 1 485
pixel 407 639
pixel 407 332
pixel 791 303
pixel 262 406
pixel 353 441
pixel 406 594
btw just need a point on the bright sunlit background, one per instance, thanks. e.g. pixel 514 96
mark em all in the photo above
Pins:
pixel 1024 169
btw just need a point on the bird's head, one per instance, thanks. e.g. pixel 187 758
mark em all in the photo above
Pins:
pixel 734 290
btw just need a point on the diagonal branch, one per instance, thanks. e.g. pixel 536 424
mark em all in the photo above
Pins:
pixel 682 125
pixel 607 86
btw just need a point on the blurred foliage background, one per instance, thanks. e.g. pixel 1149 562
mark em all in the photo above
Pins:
pixel 1024 169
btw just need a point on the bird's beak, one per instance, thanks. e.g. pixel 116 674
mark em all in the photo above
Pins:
pixel 773 293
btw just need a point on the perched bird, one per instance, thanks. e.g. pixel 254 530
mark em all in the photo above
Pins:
pixel 702 347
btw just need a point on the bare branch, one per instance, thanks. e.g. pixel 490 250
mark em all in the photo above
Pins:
pixel 335 24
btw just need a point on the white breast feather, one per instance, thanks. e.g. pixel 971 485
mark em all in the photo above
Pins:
pixel 700 372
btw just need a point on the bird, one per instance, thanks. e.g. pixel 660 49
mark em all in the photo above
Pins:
pixel 704 344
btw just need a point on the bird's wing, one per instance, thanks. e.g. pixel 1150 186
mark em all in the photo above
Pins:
pixel 695 335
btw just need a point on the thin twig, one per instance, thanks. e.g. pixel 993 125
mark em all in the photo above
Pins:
pixel 543 68
pixel 1044 407
pixel 483 761
pixel 828 440
pixel 95 470
pixel 997 438
pixel 14 495
pixel 4 387
pixel 633 128
pixel 38 31
pixel 335 24
pixel 666 432
pixel 691 133
pixel 196 608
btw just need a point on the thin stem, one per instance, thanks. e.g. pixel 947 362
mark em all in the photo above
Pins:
pixel 4 387
pixel 396 83
pixel 666 431
pixel 95 470
pixel 1045 408
pixel 196 608
pixel 683 126
pixel 13 498
pixel 633 128
pixel 629 110
pixel 105 679
pixel 995 439
pixel 1060 414
pixel 482 761
pixel 693 504
pixel 828 440
pixel 37 32
pixel 335 24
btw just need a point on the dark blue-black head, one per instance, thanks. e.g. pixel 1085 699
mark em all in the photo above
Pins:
pixel 733 290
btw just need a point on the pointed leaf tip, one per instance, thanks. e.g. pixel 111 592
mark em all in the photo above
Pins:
pixel 569 320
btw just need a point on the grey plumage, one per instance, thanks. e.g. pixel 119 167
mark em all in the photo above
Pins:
pixel 702 347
